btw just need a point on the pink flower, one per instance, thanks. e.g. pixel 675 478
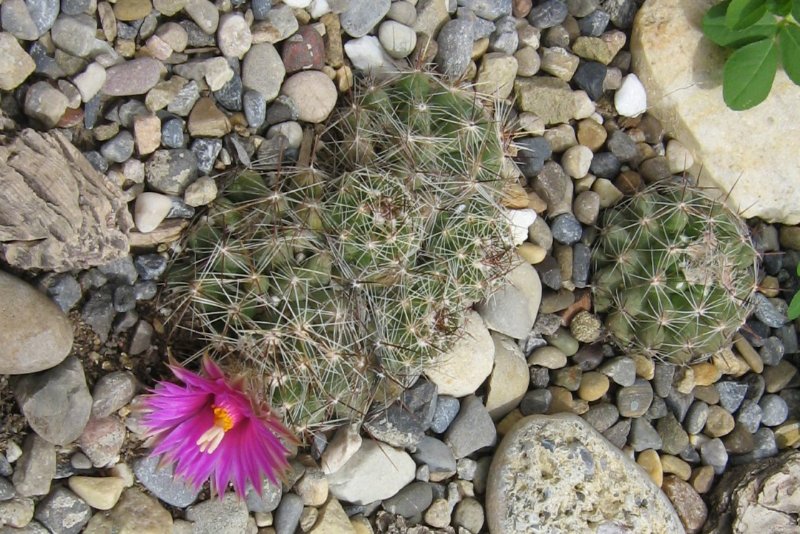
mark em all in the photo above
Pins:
pixel 210 428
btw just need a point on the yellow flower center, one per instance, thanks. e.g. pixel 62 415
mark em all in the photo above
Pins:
pixel 211 438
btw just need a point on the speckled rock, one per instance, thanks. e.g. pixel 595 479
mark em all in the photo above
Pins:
pixel 520 500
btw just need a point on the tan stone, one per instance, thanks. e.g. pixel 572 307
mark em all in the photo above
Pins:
pixel 702 478
pixel 645 366
pixel 332 520
pixel 593 386
pixel 509 379
pixel 788 434
pixel 749 354
pixel 706 373
pixel 675 466
pixel 777 377
pixel 682 73
pixel 206 120
pixel 730 363
pixel 651 463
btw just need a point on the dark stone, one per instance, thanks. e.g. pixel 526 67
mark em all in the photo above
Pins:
pixel 531 155
pixel 622 146
pixel 548 14
pixel 150 266
pixel 581 264
pixel 549 272
pixel 98 312
pixel 63 512
pixel 396 426
pixel 64 290
pixel 772 351
pixel 536 401
pixel 172 133
pixel 420 400
pixel 304 50
pixel 205 152
pixel 124 298
pixel 229 95
pixel 590 76
pixel 594 24
pixel 566 229
pixel 605 165
pixel 120 271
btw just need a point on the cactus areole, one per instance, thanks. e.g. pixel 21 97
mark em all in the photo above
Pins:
pixel 332 282
pixel 674 271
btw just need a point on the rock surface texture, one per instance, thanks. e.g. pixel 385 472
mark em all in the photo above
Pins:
pixel 760 497
pixel 56 211
pixel 548 464
pixel 744 152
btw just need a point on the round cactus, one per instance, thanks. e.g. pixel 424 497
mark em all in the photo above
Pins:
pixel 323 281
pixel 674 269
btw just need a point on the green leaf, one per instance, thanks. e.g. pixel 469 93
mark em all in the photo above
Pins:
pixel 744 13
pixel 748 74
pixel 715 29
pixel 779 7
pixel 794 307
pixel 796 10
pixel 789 40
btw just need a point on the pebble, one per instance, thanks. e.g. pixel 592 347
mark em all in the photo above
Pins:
pixel 605 165
pixel 133 77
pixel 774 410
pixel 557 62
pixel 20 64
pixel 778 376
pixel 576 161
pixel 602 416
pixel 674 438
pixel 360 16
pixel 472 428
pixel 366 54
pixel 688 504
pixel 35 468
pixel 263 70
pixel 696 417
pixel 102 439
pixel 630 100
pixel 233 35
pixel 162 483
pixel 397 39
pixel 374 472
pixel 468 514
pixel 590 76
pixel 476 348
pixel 455 46
pixel 566 229
pixel 225 515
pixel 713 453
pixel 651 463
pixel 447 408
pixel 679 157
pixel 411 501
pixel 437 456
pixel 101 493
pixel 45 104
pixel 548 14
pixel 314 93
pixel 621 369
pixel 62 511
pixel 150 210
pixel 719 422
pixel 56 402
pixel 634 400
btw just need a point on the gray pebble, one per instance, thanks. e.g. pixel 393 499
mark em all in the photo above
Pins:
pixel 713 453
pixel 150 266
pixel 755 386
pixel 749 415
pixel 254 105
pixel 437 456
pixel 590 76
pixel 98 312
pixel 505 38
pixel 112 392
pixel 205 153
pixel 420 400
pixel 774 410
pixel 581 264
pixel 622 146
pixel 7 490
pixel 185 100
pixel 163 484
pixel 566 229
pixel 548 14
pixel 64 290
pixel 64 512
pixel 633 401
pixel 788 336
pixel 35 468
pixel 601 416
pixel 643 436
pixel 594 24
pixel 287 516
pixel 731 394
pixel 480 27
pixel 621 12
pixel 466 468
pixel 619 432
pixel 74 7
pixel 74 35
pixel 540 376
pixel 411 501
pixel 172 133
pixel 696 417
pixel 5 467
pixel 472 428
pixel 395 426
pixel 227 515
pixel 125 321
pixel 673 437
pixel 605 165
pixel 536 401
pixel 171 171
pixel 260 8
pixel 488 9
pixel 767 313
pixel 581 8
pixel 549 272
pixel 621 370
pixel 546 324
pixel 145 290
pixel 658 408
pixel 360 16
pixel 678 403
pixel 771 351
pixel 446 410
pixel 455 48
pixel 120 271
pixel 268 500
pixel 124 299
pixel 141 338
pixel 532 152
pixel 764 447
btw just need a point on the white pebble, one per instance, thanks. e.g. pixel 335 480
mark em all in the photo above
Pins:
pixel 299 4
pixel 150 210
pixel 397 39
pixel 520 221
pixel 679 158
pixel 631 98
pixel 584 106
pixel 233 36
pixel 366 53
pixel 289 129
pixel 90 81
pixel 313 92
pixel 217 72
pixel 319 8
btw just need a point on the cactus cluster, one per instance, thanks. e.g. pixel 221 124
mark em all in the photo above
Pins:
pixel 330 279
pixel 674 269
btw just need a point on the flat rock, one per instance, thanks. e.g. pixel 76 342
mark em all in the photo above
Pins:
pixel 56 402
pixel 36 467
pixel 512 310
pixel 510 377
pixel 57 212
pixel 163 483
pixel 134 513
pixel 37 335
pixel 469 361
pixel 682 73
pixel 545 462
pixel 375 472
pixel 227 515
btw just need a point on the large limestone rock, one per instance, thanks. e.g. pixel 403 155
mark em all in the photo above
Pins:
pixel 558 474
pixel 36 335
pixel 56 211
pixel 759 497
pixel 748 153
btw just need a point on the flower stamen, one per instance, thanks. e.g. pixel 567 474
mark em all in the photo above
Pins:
pixel 211 438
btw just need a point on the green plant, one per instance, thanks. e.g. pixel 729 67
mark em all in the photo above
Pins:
pixel 761 31
pixel 794 306
pixel 330 282
pixel 674 269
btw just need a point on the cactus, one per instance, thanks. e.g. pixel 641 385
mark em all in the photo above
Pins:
pixel 674 269
pixel 326 281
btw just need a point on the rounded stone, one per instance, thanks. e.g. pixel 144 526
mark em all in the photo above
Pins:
pixel 397 39
pixel 606 477
pixel 37 335
pixel 719 422
pixel 576 161
pixel 548 357
pixel 593 386
pixel 314 93
pixel 233 35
